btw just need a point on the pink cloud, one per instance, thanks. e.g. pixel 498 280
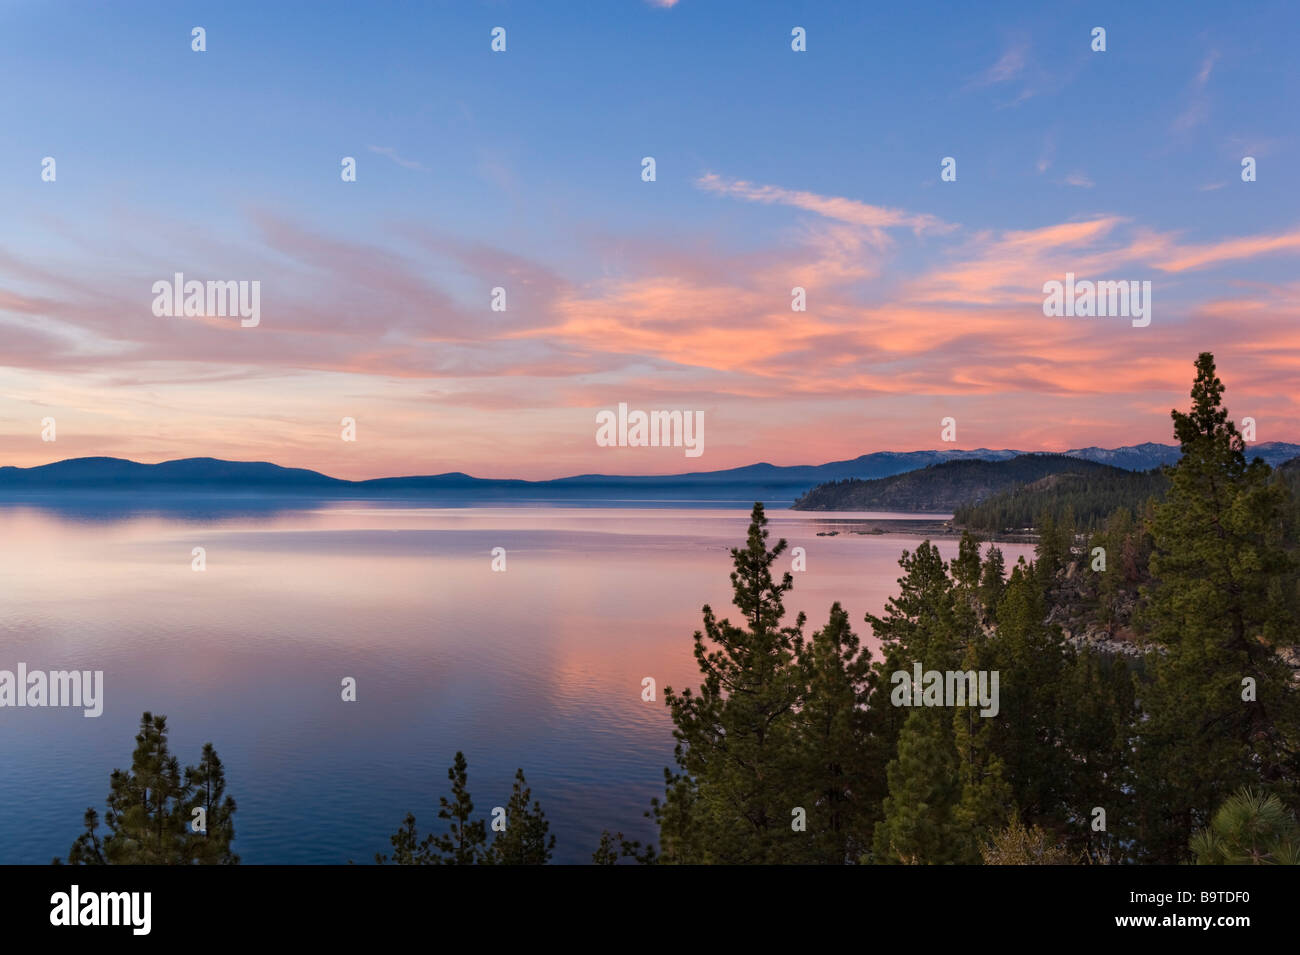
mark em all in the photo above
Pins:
pixel 1198 256
pixel 400 336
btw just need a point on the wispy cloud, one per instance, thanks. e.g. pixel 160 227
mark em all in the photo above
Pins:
pixel 1010 65
pixel 1198 106
pixel 1207 65
pixel 1181 259
pixel 850 211
pixel 1079 179
pixel 391 153
pixel 1005 268
pixel 1048 154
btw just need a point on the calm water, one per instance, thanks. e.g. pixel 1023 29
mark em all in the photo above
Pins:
pixel 538 667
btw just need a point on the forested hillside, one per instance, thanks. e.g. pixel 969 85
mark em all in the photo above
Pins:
pixel 1083 499
pixel 945 487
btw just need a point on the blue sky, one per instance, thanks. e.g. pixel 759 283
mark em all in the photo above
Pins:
pixel 174 160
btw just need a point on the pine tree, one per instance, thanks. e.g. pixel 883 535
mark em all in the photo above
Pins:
pixel 207 781
pixel 1221 710
pixel 1030 658
pixel 732 797
pixel 986 799
pixel 150 809
pixel 408 847
pixel 1055 548
pixel 1109 585
pixel 1250 828
pixel 524 841
pixel 966 568
pixel 465 842
pixel 917 626
pixel 924 600
pixel 993 579
pixel 1048 558
pixel 924 820
pixel 613 847
pixel 920 825
pixel 1098 714
pixel 607 852
pixel 841 765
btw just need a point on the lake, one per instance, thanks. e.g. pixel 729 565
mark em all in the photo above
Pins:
pixel 538 666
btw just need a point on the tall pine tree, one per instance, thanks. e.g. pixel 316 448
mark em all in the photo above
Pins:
pixel 841 763
pixel 736 785
pixel 1221 709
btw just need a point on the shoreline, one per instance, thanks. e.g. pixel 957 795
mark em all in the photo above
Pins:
pixel 915 527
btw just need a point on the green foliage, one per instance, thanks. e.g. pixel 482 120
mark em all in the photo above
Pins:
pixel 614 847
pixel 1016 845
pixel 966 568
pixel 837 759
pixel 525 839
pixel 151 809
pixel 945 781
pixel 207 783
pixel 953 486
pixel 464 842
pixel 1250 828
pixel 776 733
pixel 1218 604
pixel 607 853
pixel 987 798
pixel 1087 497
pixel 993 582
pixel 917 626
pixel 408 847
pixel 730 800
pixel 1127 544
pixel 1032 661
pixel 1098 713
pixel 1055 548
pixel 920 824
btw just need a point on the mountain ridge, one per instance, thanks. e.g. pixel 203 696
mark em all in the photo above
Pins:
pixel 207 473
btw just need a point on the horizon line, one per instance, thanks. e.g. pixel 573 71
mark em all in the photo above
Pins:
pixel 592 474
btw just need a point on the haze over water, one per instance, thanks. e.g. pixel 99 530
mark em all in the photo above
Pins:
pixel 538 667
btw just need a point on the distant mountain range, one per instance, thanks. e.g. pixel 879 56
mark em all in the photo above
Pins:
pixel 764 482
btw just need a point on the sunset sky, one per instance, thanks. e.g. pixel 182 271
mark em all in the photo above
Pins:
pixel 522 169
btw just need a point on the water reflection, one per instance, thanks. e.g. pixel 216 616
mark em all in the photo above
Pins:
pixel 538 666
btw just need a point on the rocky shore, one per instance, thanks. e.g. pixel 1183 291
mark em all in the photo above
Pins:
pixel 1082 627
